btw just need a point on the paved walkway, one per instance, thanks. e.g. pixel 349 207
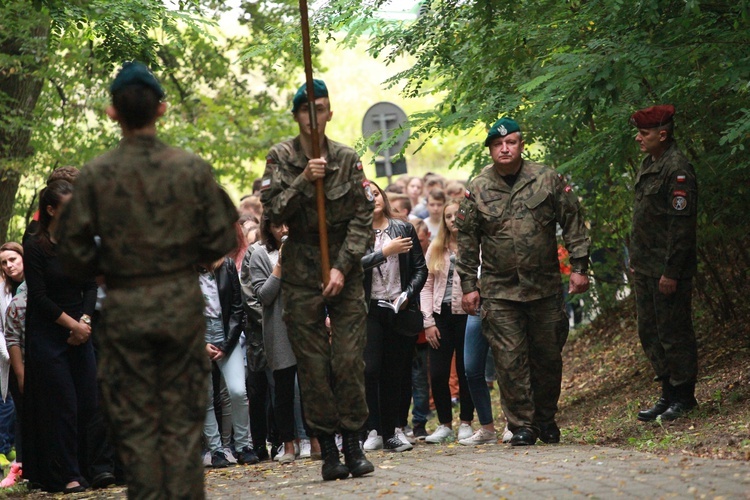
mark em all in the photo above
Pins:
pixel 453 471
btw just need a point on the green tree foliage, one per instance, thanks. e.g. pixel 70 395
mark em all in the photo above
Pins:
pixel 571 72
pixel 225 112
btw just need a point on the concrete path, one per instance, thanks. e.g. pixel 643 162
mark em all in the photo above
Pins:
pixel 453 471
pixel 490 471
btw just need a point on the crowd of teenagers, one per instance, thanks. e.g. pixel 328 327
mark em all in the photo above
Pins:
pixel 51 427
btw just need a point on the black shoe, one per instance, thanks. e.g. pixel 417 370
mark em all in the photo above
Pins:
pixel 247 456
pixel 650 415
pixel 332 467
pixel 262 453
pixel 218 460
pixel 419 432
pixel 667 396
pixel 549 433
pixel 354 457
pixel 102 480
pixel 74 489
pixel 395 444
pixel 523 437
pixel 677 409
pixel 682 402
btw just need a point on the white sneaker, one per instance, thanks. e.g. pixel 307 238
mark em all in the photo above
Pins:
pixel 229 455
pixel 206 459
pixel 464 431
pixel 442 434
pixel 507 435
pixel 481 436
pixel 373 441
pixel 401 435
pixel 304 448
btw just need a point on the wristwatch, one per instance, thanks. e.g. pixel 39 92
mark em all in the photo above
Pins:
pixel 86 319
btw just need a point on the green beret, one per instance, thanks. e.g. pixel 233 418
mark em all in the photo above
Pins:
pixel 319 88
pixel 136 73
pixel 501 128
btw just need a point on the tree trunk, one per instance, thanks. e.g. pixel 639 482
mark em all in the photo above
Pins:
pixel 26 45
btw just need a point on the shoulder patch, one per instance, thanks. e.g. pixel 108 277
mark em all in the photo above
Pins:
pixel 358 166
pixel 469 195
pixel 681 178
pixel 265 183
pixel 368 190
pixel 679 203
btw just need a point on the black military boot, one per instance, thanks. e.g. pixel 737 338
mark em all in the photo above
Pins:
pixel 332 467
pixel 682 403
pixel 661 405
pixel 355 459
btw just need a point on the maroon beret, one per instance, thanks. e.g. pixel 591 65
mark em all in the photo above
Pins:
pixel 652 117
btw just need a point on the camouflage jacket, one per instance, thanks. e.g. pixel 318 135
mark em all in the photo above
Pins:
pixel 157 209
pixel 515 230
pixel 289 198
pixel 663 237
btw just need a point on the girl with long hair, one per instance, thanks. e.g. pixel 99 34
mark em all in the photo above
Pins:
pixel 445 326
pixel 394 265
pixel 60 370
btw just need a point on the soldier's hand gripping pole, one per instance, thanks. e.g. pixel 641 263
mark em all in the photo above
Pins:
pixel 319 189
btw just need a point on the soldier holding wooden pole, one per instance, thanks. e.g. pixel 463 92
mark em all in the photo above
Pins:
pixel 339 221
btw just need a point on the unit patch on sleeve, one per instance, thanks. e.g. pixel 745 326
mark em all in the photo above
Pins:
pixel 679 203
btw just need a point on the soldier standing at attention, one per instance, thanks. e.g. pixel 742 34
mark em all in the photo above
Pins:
pixel 331 370
pixel 158 212
pixel 510 214
pixel 663 260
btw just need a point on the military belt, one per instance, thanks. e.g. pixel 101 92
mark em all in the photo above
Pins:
pixel 114 282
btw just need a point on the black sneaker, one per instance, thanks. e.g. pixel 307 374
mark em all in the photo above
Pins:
pixel 419 432
pixel 246 456
pixel 218 460
pixel 395 444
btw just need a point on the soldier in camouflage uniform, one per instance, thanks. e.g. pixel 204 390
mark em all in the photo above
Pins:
pixel 158 212
pixel 510 215
pixel 331 370
pixel 663 259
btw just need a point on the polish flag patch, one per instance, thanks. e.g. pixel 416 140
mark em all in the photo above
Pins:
pixel 681 178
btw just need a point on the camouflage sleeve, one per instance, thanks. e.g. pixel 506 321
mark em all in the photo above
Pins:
pixel 217 215
pixel 281 193
pixel 467 221
pixel 682 212
pixel 78 250
pixel 571 219
pixel 359 230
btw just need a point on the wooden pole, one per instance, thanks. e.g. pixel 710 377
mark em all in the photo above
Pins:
pixel 319 187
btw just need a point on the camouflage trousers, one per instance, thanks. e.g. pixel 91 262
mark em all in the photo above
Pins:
pixel 331 370
pixel 665 327
pixel 153 372
pixel 527 340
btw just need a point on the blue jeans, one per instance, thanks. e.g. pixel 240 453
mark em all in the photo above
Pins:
pixel 232 368
pixel 7 424
pixel 476 349
pixel 420 387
